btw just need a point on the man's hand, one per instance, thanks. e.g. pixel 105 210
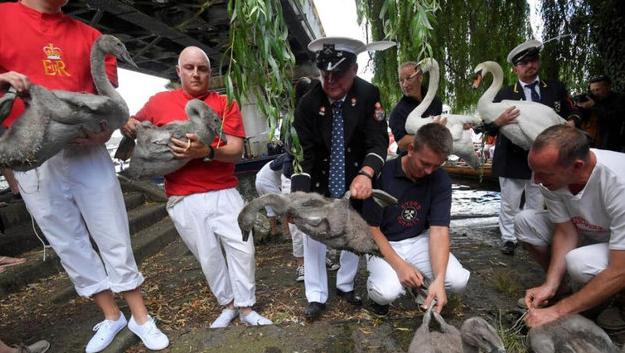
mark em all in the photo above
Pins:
pixel 95 138
pixel 192 148
pixel 538 296
pixel 360 188
pixel 439 119
pixel 586 104
pixel 436 291
pixel 508 117
pixel 538 317
pixel 408 275
pixel 20 82
pixel 130 128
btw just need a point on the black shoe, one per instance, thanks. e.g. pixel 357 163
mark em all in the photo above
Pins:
pixel 378 309
pixel 350 297
pixel 507 248
pixel 314 310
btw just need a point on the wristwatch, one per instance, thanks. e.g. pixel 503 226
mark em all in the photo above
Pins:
pixel 211 155
pixel 362 172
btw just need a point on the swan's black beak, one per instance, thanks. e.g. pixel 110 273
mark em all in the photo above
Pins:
pixel 126 57
pixel 477 80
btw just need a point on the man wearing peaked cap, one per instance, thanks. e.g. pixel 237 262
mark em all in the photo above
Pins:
pixel 510 160
pixel 343 132
pixel 524 52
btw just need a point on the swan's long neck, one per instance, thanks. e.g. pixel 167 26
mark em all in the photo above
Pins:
pixel 100 79
pixel 495 86
pixel 432 88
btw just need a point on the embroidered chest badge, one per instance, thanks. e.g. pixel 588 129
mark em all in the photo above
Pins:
pixel 353 101
pixel 379 113
pixel 322 111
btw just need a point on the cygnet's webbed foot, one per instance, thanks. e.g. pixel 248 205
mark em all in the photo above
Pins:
pixel 125 148
pixel 381 197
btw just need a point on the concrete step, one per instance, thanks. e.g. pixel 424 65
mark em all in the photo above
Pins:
pixel 19 234
pixel 15 214
pixel 150 230
pixel 145 216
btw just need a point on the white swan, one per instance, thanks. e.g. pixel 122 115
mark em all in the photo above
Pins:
pixel 463 146
pixel 533 117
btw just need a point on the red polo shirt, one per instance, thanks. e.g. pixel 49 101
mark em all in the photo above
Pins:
pixel 196 176
pixel 53 50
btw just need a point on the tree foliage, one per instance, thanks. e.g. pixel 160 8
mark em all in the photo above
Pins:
pixel 459 34
pixel 409 24
pixel 474 31
pixel 589 41
pixel 583 38
pixel 261 60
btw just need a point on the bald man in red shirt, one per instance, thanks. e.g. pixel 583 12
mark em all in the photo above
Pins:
pixel 203 200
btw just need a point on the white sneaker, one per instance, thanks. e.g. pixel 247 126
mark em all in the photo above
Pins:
pixel 299 273
pixel 105 333
pixel 254 319
pixel 38 347
pixel 224 319
pixel 151 336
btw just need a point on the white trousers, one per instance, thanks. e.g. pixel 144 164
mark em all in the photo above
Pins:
pixel 268 181
pixel 76 194
pixel 383 285
pixel 511 193
pixel 207 222
pixel 296 234
pixel 582 264
pixel 315 273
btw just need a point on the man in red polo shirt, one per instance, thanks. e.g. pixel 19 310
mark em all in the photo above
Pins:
pixel 75 195
pixel 203 200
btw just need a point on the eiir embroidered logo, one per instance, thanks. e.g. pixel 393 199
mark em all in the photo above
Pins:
pixel 53 64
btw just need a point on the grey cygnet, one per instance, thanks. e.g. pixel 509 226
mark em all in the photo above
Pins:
pixel 151 155
pixel 332 222
pixel 54 118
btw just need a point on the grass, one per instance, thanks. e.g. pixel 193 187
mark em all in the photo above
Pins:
pixel 506 282
pixel 512 337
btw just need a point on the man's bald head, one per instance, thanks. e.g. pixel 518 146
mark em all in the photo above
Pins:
pixel 193 69
pixel 192 50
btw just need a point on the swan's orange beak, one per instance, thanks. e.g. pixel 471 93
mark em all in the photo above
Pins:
pixel 477 80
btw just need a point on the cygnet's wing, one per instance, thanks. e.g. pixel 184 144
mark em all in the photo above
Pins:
pixel 89 103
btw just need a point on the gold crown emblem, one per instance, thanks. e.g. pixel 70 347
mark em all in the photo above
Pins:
pixel 52 52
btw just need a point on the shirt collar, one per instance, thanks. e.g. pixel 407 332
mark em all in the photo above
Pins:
pixel 338 100
pixel 523 84
pixel 39 15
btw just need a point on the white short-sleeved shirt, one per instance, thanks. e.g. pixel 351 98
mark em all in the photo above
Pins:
pixel 598 211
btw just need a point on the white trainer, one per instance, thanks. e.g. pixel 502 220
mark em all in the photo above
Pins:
pixel 299 273
pixel 151 336
pixel 38 347
pixel 105 332
pixel 224 319
pixel 254 319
